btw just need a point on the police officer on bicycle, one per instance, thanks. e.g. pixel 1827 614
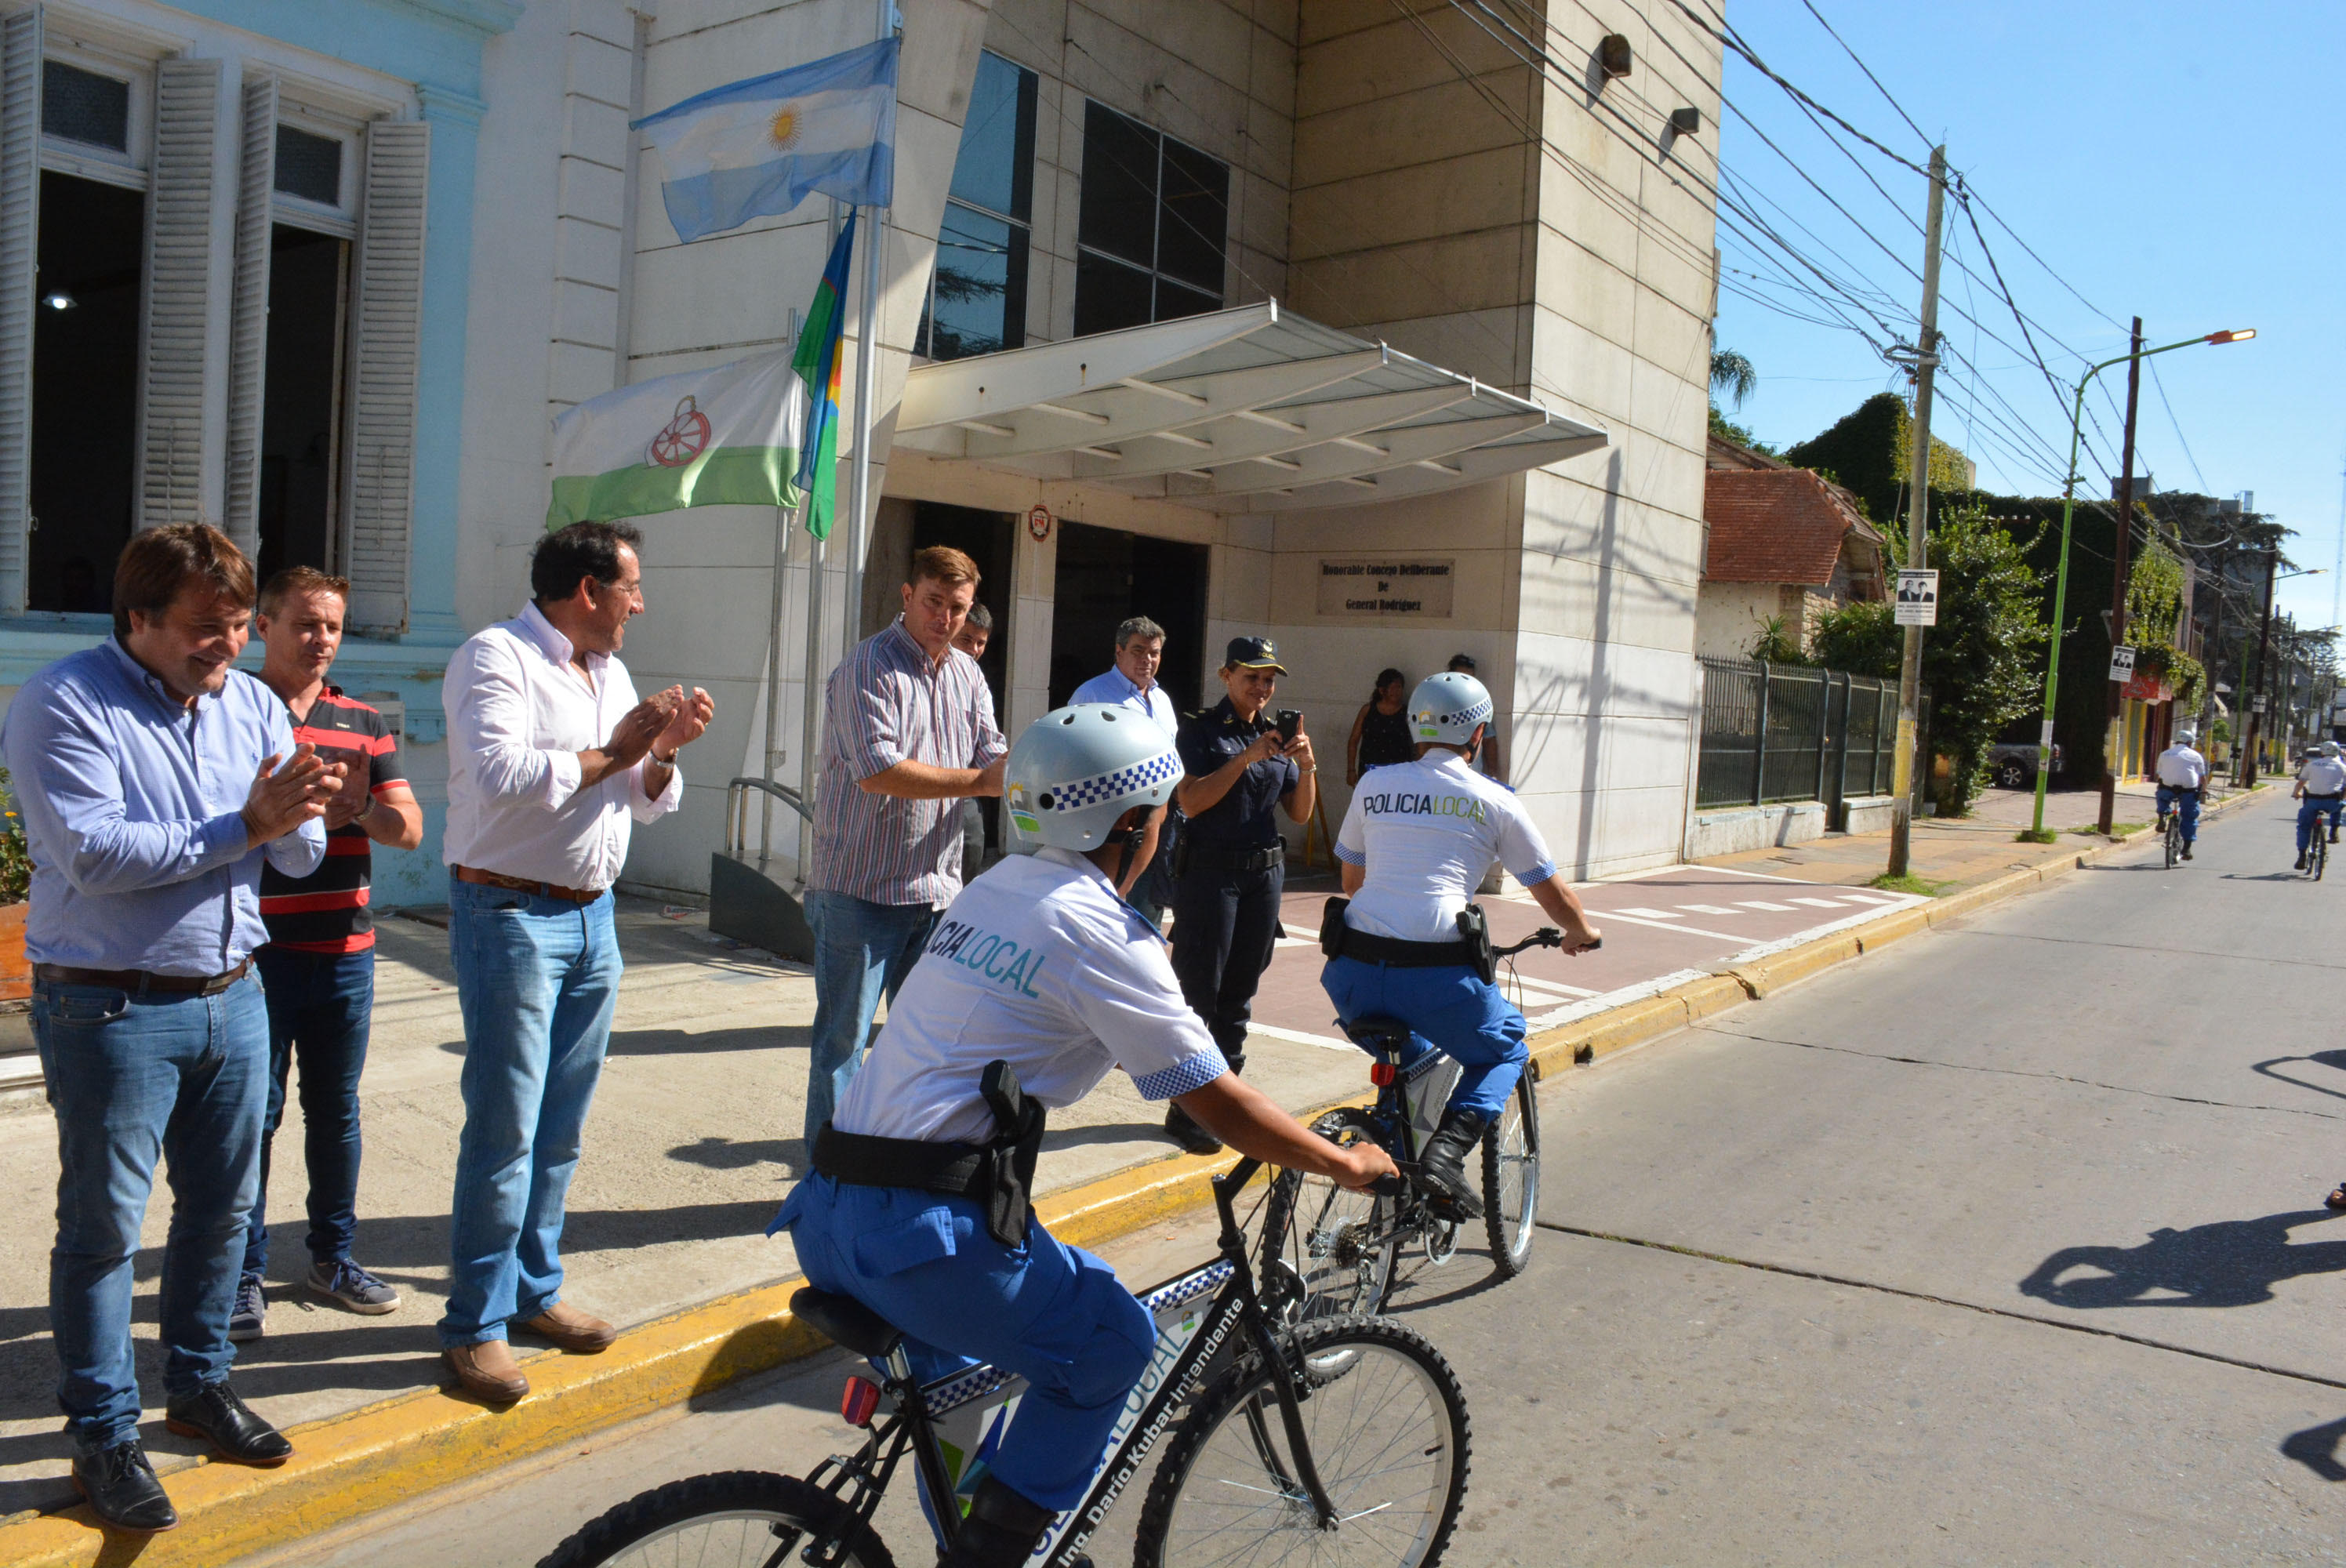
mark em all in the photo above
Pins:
pixel 917 1203
pixel 1415 844
pixel 2182 772
pixel 2322 784
pixel 1244 771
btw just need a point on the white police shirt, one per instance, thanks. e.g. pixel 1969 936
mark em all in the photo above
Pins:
pixel 2322 775
pixel 1039 964
pixel 2180 768
pixel 1428 831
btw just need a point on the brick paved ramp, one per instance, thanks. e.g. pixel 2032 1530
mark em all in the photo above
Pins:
pixel 1660 927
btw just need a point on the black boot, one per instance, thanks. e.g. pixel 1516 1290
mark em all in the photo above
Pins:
pixel 2301 859
pixel 122 1489
pixel 1001 1531
pixel 1184 1130
pixel 1441 1165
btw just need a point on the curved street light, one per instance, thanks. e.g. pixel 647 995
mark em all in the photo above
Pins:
pixel 2068 511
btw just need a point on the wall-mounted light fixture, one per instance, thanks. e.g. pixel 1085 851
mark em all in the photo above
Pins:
pixel 1686 122
pixel 1612 55
pixel 58 299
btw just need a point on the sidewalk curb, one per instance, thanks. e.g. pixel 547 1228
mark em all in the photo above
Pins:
pixel 397 1450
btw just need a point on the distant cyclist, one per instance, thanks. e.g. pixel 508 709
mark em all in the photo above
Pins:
pixel 1415 844
pixel 2322 784
pixel 2182 772
pixel 917 1203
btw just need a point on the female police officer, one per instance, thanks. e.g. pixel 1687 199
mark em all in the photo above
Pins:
pixel 1230 871
pixel 1039 964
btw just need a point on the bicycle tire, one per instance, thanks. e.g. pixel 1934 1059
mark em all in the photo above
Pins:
pixel 1351 1372
pixel 742 1510
pixel 1511 1157
pixel 2174 844
pixel 1315 1232
pixel 2320 852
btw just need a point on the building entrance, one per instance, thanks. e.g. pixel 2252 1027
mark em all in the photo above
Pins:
pixel 1107 576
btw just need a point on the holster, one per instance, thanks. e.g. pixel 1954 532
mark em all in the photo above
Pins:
pixel 1331 928
pixel 1010 1159
pixel 1476 931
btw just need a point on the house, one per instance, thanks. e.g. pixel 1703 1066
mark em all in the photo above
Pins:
pixel 1784 544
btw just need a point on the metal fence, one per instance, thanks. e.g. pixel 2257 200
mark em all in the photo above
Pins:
pixel 1785 732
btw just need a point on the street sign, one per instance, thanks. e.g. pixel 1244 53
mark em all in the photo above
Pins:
pixel 2256 703
pixel 2122 664
pixel 1918 596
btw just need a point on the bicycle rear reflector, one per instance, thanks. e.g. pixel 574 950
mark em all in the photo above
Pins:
pixel 859 1400
pixel 1381 1073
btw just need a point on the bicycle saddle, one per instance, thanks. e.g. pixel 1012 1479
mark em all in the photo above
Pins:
pixel 1378 1034
pixel 847 1322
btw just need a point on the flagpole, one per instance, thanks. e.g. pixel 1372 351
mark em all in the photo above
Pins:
pixel 812 719
pixel 866 364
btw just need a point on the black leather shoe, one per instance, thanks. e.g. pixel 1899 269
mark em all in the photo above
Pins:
pixel 1185 1131
pixel 217 1415
pixel 122 1489
pixel 1441 1166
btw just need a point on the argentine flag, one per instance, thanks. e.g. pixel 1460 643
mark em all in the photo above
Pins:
pixel 758 148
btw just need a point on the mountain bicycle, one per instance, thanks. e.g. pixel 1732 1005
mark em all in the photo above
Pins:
pixel 1331 1252
pixel 1343 1439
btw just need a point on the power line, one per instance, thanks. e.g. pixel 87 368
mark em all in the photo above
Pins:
pixel 2178 423
pixel 1870 77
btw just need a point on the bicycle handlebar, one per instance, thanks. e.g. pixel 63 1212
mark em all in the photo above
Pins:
pixel 1546 936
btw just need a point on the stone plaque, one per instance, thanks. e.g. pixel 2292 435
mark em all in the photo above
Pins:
pixel 1386 587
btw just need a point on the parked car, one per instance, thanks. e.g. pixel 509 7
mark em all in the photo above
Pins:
pixel 2012 763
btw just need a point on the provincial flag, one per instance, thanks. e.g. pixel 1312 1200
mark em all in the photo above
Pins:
pixel 759 146
pixel 728 437
pixel 816 362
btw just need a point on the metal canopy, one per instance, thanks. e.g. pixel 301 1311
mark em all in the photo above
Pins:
pixel 1250 410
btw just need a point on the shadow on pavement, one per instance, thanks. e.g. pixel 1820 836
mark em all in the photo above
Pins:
pixel 2270 1069
pixel 738 1154
pixel 2316 1448
pixel 2229 1263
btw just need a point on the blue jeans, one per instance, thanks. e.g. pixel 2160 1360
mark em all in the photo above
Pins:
pixel 861 949
pixel 1450 1009
pixel 2312 811
pixel 536 979
pixel 318 1004
pixel 2169 797
pixel 1054 1314
pixel 132 1076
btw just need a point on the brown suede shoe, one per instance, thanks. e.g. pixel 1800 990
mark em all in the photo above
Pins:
pixel 487 1370
pixel 572 1330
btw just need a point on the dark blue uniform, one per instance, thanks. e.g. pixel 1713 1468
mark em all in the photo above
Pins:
pixel 1225 903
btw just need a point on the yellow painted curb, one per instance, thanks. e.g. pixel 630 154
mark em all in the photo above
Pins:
pixel 1782 969
pixel 1910 921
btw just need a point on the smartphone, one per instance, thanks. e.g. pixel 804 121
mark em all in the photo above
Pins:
pixel 1290 724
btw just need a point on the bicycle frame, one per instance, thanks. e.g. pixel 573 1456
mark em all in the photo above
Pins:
pixel 1183 1351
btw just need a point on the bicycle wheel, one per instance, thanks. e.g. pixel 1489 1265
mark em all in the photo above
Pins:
pixel 1386 1424
pixel 2174 841
pixel 1510 1180
pixel 2320 852
pixel 1326 1251
pixel 741 1517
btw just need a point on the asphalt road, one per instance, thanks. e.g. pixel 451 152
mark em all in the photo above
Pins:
pixel 2003 1245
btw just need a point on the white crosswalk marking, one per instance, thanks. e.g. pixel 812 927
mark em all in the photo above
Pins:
pixel 1649 914
pixel 1704 909
pixel 1760 904
pixel 1819 904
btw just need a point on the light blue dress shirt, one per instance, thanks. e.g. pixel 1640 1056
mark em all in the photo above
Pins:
pixel 131 805
pixel 1117 687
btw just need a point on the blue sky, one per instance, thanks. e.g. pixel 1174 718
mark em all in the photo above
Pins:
pixel 2177 161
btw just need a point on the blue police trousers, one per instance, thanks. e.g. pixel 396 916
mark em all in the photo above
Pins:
pixel 1451 1008
pixel 1054 1314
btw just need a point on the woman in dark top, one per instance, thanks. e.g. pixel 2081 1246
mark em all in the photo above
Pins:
pixel 1238 776
pixel 1381 729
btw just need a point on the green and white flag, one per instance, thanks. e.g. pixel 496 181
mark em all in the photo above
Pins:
pixel 728 437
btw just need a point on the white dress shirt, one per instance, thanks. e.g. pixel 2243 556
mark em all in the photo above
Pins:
pixel 2181 768
pixel 1426 832
pixel 518 716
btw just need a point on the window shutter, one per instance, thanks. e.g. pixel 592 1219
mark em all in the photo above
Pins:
pixel 386 316
pixel 247 351
pixel 20 200
pixel 180 206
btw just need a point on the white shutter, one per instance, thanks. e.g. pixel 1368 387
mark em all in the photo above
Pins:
pixel 20 202
pixel 386 318
pixel 180 207
pixel 247 340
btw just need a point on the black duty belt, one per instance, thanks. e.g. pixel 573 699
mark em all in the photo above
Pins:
pixel 2325 797
pixel 139 980
pixel 1202 858
pixel 957 1170
pixel 1370 948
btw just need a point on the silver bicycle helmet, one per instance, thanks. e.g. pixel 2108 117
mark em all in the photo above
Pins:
pixel 1445 709
pixel 1076 769
pixel 2186 736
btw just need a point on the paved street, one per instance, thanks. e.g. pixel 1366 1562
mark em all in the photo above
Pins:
pixel 2005 1245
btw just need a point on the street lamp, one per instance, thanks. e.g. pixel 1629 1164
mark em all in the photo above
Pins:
pixel 2061 578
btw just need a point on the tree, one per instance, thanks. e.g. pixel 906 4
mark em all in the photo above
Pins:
pixel 1981 662
pixel 1778 643
pixel 1731 373
pixel 1861 637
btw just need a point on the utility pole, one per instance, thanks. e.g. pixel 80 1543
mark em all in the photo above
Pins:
pixel 1918 506
pixel 2116 703
pixel 2264 672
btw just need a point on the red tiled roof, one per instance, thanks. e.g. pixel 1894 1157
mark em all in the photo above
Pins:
pixel 1774 526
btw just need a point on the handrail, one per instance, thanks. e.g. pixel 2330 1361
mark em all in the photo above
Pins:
pixel 736 809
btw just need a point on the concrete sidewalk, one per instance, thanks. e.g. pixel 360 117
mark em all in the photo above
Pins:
pixel 694 1138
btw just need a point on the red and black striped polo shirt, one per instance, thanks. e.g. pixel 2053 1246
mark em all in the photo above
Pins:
pixel 326 912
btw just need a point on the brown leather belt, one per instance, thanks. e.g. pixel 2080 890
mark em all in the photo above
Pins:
pixel 137 980
pixel 523 885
